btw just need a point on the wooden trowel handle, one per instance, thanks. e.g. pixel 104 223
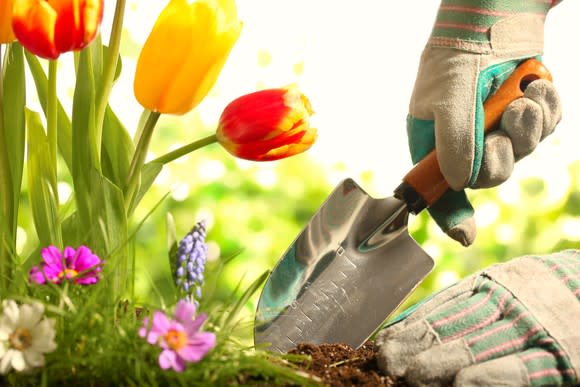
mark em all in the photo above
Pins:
pixel 425 184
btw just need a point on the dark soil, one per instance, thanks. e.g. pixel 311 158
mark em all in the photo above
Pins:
pixel 339 365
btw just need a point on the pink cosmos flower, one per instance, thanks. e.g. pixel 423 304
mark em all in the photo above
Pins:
pixel 80 266
pixel 181 339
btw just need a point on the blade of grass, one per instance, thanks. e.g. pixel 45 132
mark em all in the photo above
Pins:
pixel 244 298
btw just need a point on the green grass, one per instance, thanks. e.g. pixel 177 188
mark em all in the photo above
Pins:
pixel 99 345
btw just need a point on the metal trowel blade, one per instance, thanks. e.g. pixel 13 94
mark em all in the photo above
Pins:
pixel 345 273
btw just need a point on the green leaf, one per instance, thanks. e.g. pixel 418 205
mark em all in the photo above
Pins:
pixel 148 175
pixel 119 67
pixel 42 183
pixel 171 243
pixel 83 129
pixel 14 120
pixel 117 149
pixel 244 299
pixel 108 235
pixel 63 121
pixel 104 230
pixel 97 49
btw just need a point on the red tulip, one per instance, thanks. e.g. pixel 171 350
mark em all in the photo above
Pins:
pixel 50 28
pixel 267 125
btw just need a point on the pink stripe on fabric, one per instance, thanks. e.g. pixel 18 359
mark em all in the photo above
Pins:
pixel 509 344
pixel 511 307
pixel 550 372
pixel 464 312
pixel 480 11
pixel 571 277
pixel 537 355
pixel 577 292
pixel 500 328
pixel 462 26
pixel 546 341
pixel 557 266
pixel 484 323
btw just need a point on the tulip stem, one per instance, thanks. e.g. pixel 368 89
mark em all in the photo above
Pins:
pixel 138 160
pixel 51 111
pixel 173 155
pixel 109 72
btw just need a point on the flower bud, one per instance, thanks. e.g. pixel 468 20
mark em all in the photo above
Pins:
pixel 50 28
pixel 185 53
pixel 267 125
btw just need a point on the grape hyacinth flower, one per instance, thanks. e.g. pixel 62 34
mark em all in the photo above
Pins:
pixel 79 266
pixel 25 336
pixel 190 263
pixel 180 338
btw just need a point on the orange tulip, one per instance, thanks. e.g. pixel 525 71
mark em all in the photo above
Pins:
pixel 267 125
pixel 6 33
pixel 184 54
pixel 50 28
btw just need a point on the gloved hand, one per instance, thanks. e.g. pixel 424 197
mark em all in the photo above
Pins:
pixel 514 324
pixel 473 48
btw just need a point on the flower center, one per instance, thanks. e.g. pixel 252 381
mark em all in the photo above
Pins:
pixel 176 339
pixel 68 274
pixel 20 339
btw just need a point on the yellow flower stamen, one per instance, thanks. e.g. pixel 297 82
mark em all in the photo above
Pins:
pixel 68 273
pixel 20 339
pixel 176 339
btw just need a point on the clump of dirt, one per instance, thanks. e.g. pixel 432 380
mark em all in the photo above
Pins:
pixel 339 365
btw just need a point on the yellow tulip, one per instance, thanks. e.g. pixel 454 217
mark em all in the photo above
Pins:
pixel 6 33
pixel 184 54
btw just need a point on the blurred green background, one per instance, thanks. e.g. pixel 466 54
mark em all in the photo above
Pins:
pixel 360 94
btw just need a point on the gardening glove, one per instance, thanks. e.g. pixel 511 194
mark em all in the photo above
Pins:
pixel 513 324
pixel 473 48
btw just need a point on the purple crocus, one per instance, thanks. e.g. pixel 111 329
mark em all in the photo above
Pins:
pixel 79 266
pixel 181 339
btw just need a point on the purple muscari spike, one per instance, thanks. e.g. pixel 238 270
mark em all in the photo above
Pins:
pixel 190 263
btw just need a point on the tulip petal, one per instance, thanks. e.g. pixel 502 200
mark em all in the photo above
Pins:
pixel 48 28
pixel 184 54
pixel 34 22
pixel 6 33
pixel 205 60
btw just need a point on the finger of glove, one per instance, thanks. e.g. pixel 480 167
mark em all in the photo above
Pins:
pixel 498 161
pixel 455 140
pixel 481 310
pixel 396 347
pixel 451 295
pixel 438 365
pixel 530 119
pixel 547 366
pixel 544 93
pixel 534 366
pixel 453 213
pixel 517 330
pixel 523 122
pixel 505 371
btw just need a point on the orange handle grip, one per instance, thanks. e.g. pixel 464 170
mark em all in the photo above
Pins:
pixel 425 179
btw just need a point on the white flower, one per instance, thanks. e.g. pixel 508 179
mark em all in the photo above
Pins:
pixel 25 336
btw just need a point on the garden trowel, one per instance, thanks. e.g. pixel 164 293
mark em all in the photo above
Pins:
pixel 355 262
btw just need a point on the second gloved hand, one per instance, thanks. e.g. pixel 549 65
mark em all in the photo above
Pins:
pixel 514 324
